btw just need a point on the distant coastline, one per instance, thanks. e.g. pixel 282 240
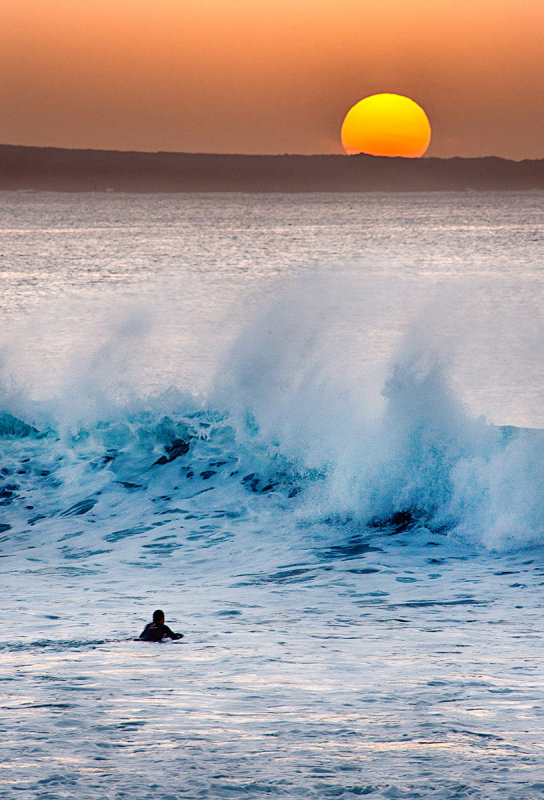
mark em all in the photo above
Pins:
pixel 66 170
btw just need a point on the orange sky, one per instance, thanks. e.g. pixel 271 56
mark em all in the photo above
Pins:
pixel 268 76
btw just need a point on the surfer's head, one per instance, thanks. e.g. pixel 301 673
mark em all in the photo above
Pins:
pixel 158 617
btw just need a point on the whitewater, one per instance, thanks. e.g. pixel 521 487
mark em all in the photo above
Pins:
pixel 311 429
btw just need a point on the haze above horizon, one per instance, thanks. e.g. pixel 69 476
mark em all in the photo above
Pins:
pixel 233 76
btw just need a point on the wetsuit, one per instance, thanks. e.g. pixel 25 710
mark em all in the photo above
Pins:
pixel 154 632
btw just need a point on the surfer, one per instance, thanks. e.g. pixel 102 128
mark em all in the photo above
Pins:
pixel 156 631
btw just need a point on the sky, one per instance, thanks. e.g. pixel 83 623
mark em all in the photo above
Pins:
pixel 268 76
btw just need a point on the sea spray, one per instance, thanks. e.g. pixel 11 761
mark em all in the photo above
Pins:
pixel 336 422
pixel 375 436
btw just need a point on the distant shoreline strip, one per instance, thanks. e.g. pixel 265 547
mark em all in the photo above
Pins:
pixel 67 170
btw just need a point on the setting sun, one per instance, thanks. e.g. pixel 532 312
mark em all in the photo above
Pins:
pixel 386 125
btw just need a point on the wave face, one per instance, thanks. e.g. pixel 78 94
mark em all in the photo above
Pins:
pixel 280 428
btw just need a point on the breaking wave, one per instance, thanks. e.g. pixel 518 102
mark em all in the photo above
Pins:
pixel 344 428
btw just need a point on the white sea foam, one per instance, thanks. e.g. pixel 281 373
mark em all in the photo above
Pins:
pixel 367 418
pixel 375 414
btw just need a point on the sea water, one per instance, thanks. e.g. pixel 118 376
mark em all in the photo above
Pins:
pixel 308 427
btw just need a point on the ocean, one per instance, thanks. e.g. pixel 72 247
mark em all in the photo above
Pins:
pixel 310 428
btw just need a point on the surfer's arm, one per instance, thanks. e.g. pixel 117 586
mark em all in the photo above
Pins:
pixel 171 634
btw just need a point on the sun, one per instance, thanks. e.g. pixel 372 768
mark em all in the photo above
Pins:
pixel 386 125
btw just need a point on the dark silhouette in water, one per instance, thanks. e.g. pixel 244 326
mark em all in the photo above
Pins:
pixel 156 631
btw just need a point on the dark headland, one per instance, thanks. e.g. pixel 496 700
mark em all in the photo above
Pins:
pixel 57 169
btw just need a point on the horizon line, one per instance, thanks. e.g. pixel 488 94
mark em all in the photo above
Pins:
pixel 265 155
